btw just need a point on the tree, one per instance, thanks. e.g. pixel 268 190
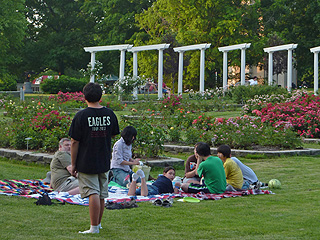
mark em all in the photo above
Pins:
pixel 280 58
pixel 221 23
pixel 57 33
pixel 115 24
pixel 295 21
pixel 12 32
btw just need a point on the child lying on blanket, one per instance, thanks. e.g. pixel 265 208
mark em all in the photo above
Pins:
pixel 163 184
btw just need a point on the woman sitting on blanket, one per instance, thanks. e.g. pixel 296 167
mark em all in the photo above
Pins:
pixel 163 184
pixel 122 157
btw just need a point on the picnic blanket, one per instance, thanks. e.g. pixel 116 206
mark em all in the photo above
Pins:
pixel 34 188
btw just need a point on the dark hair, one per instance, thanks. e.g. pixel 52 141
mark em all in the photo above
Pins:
pixel 203 149
pixel 92 92
pixel 128 134
pixel 167 169
pixel 225 150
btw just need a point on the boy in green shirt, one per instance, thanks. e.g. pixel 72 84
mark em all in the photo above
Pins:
pixel 210 168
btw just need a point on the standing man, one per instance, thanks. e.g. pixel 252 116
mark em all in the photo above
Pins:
pixel 91 131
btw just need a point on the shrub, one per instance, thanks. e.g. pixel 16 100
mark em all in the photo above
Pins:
pixel 124 87
pixel 69 100
pixel 303 114
pixel 241 94
pixel 150 138
pixel 7 83
pixel 246 132
pixel 63 84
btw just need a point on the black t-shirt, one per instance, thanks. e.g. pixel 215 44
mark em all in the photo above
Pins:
pixel 93 128
pixel 164 185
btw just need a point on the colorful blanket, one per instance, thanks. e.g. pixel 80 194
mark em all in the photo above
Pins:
pixel 34 189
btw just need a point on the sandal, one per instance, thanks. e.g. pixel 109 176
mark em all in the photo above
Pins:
pixel 167 202
pixel 131 204
pixel 113 205
pixel 157 202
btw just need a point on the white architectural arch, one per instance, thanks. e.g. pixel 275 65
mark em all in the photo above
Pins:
pixel 181 50
pixel 160 48
pixel 122 48
pixel 316 51
pixel 225 51
pixel 270 51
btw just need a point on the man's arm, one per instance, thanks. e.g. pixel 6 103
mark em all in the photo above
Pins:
pixel 74 154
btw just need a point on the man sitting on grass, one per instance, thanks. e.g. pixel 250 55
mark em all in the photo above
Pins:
pixel 61 178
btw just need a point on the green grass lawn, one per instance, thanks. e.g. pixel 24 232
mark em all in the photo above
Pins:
pixel 292 213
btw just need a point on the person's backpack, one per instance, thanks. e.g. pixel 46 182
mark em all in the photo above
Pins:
pixel 44 199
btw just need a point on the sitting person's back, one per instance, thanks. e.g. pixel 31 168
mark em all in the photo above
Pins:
pixel 233 172
pixel 210 168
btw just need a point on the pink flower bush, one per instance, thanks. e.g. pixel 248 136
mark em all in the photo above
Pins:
pixel 303 114
pixel 65 97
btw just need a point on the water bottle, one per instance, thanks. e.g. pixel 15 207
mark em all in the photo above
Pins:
pixel 177 179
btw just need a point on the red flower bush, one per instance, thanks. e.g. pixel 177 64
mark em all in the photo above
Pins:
pixel 68 96
pixel 303 113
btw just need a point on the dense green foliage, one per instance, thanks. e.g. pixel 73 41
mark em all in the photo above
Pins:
pixel 63 84
pixel 241 94
pixel 12 32
pixel 40 35
pixel 57 33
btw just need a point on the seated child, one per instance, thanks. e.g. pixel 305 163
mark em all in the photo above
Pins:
pixel 210 168
pixel 233 172
pixel 190 171
pixel 122 156
pixel 163 184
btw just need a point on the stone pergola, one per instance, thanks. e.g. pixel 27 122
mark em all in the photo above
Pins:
pixel 160 48
pixel 270 51
pixel 122 48
pixel 225 51
pixel 315 52
pixel 181 50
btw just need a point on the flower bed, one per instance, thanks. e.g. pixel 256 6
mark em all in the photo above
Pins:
pixel 276 121
pixel 302 113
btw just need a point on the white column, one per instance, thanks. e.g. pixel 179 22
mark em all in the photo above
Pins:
pixel 122 63
pixel 93 60
pixel 160 73
pixel 202 62
pixel 180 73
pixel 135 72
pixel 316 72
pixel 243 66
pixel 270 69
pixel 225 71
pixel 289 77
